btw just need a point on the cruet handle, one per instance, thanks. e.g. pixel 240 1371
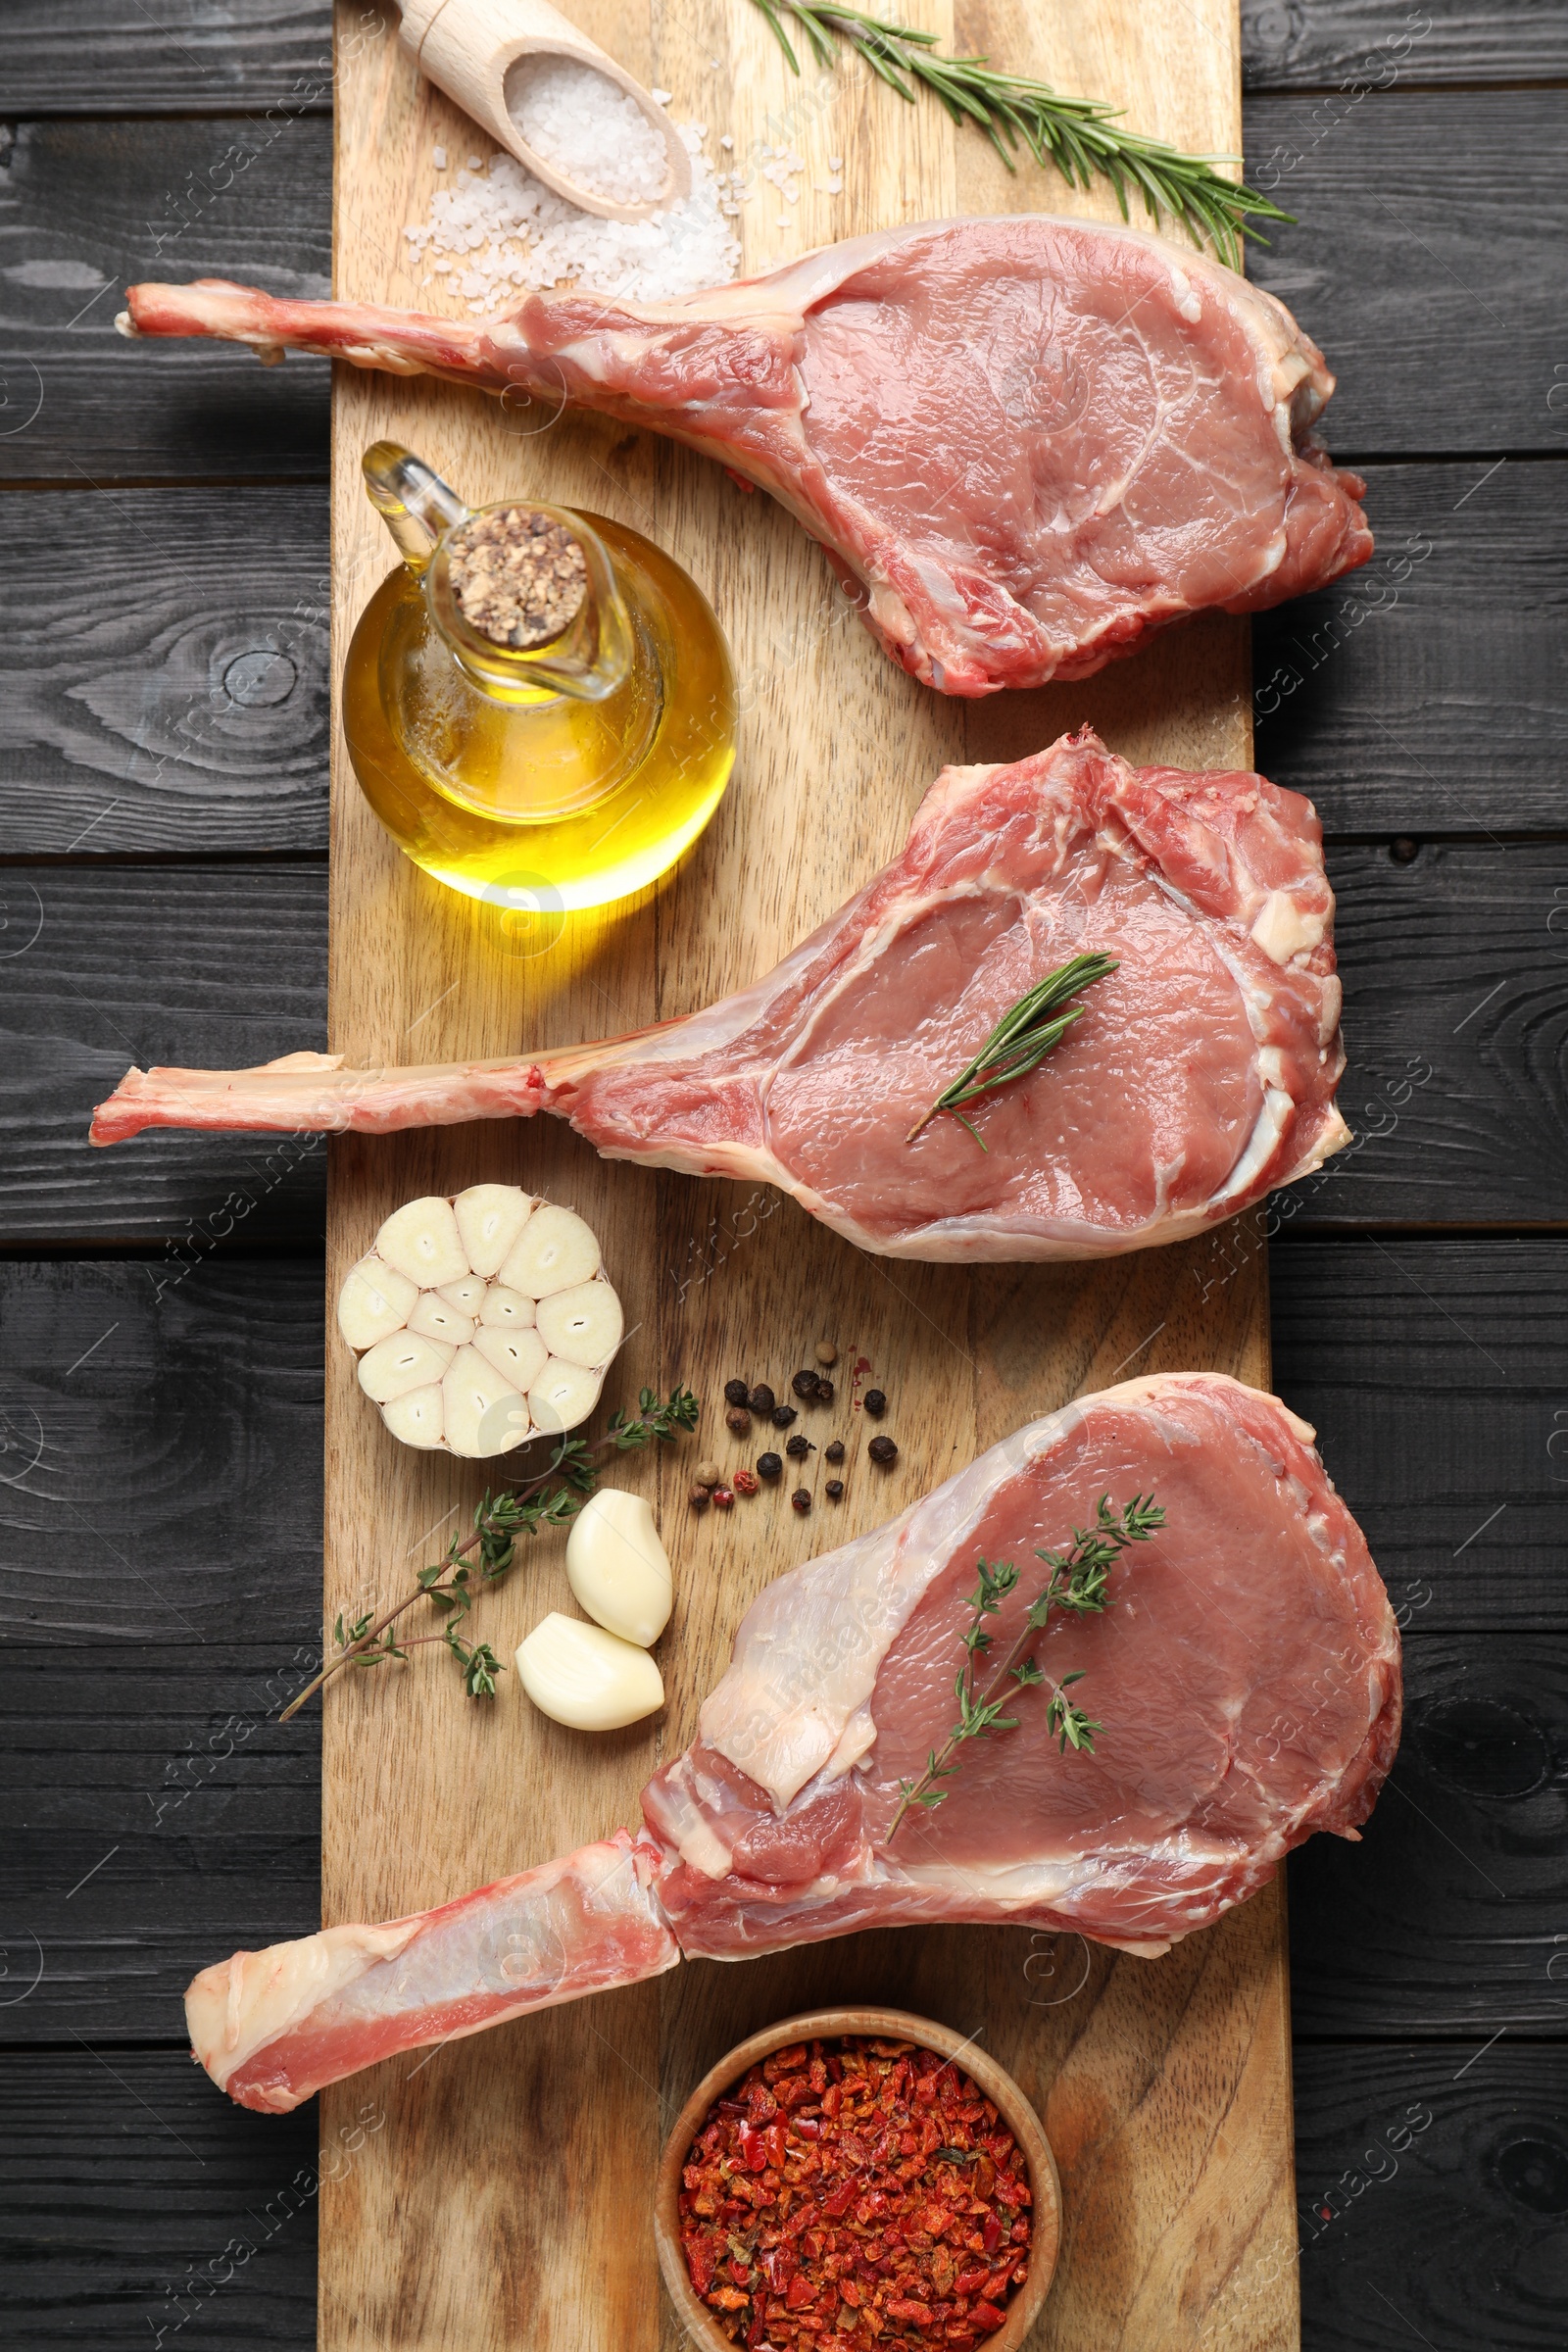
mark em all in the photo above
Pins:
pixel 412 499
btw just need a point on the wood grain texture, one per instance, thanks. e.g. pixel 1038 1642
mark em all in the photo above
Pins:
pixel 1430 690
pixel 1464 2243
pixel 836 750
pixel 160 1479
pixel 1417 272
pixel 108 966
pixel 81 55
pixel 1453 961
pixel 160 2211
pixel 1327 45
pixel 232 198
pixel 163 674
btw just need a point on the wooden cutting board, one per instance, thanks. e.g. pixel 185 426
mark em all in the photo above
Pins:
pixel 497 2192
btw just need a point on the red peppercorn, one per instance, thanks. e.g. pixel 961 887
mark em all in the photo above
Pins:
pixel 723 1497
pixel 745 1482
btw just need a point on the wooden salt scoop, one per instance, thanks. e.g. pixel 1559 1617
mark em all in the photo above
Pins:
pixel 480 52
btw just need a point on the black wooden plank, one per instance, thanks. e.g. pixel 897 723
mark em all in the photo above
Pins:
pixel 141 2209
pixel 87 208
pixel 1449 1915
pixel 1456 1015
pixel 163 1820
pixel 161 1472
pixel 1435 1374
pixel 164 671
pixel 1430 690
pixel 164 666
pixel 1456 972
pixel 1341 46
pixel 1445 2175
pixel 1433 277
pixel 85 56
pixel 1428 262
pixel 218 966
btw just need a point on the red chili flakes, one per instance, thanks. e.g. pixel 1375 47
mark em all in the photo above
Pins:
pixel 858 2194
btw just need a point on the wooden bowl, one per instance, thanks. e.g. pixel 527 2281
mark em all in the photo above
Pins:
pixel 891 2025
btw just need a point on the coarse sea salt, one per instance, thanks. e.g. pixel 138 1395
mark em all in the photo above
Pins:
pixel 490 231
pixel 590 131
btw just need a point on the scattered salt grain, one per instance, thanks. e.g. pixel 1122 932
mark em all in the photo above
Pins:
pixel 660 97
pixel 475 163
pixel 439 159
pixel 490 233
pixel 726 141
pixel 589 129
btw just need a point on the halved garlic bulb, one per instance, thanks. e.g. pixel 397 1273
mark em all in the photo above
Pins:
pixel 618 1567
pixel 579 1675
pixel 444 1314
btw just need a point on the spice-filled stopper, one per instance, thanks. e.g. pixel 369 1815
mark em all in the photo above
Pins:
pixel 519 575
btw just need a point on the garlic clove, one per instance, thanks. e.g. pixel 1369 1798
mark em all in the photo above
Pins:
pixel 466 1296
pixel 402 1363
pixel 508 1311
pixel 618 1567
pixel 416 1417
pixel 582 1325
pixel 562 1395
pixel 518 1355
pixel 490 1217
pixel 375 1300
pixel 435 1318
pixel 484 1412
pixel 421 1240
pixel 555 1251
pixel 579 1675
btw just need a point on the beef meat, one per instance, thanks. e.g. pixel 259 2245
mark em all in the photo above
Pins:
pixel 1201 1076
pixel 1246 1678
pixel 1024 443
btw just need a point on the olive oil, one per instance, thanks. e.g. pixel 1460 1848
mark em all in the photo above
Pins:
pixel 557 777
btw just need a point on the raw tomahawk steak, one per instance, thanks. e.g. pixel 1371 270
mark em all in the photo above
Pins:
pixel 1246 1677
pixel 1024 443
pixel 1201 1074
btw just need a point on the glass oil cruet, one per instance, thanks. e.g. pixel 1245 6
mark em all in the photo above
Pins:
pixel 539 702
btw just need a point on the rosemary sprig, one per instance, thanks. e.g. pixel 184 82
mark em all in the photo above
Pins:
pixel 1020 1040
pixel 472 1563
pixel 1078 1583
pixel 1080 136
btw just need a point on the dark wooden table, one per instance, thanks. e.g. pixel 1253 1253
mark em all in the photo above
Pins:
pixel 163 798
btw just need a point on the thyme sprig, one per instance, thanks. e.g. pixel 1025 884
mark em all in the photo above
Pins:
pixel 471 1564
pixel 1081 137
pixel 1020 1040
pixel 1078 1583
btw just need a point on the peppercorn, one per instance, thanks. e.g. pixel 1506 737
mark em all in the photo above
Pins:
pixel 835 1451
pixel 826 1352
pixel 876 1405
pixel 834 1489
pixel 825 1392
pixel 745 1482
pixel 770 1466
pixel 699 1497
pixel 883 1451
pixel 799 1448
pixel 782 1415
pixel 723 1497
pixel 736 1392
pixel 762 1398
pixel 802 1498
pixel 708 1474
pixel 804 1386
pixel 738 1419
